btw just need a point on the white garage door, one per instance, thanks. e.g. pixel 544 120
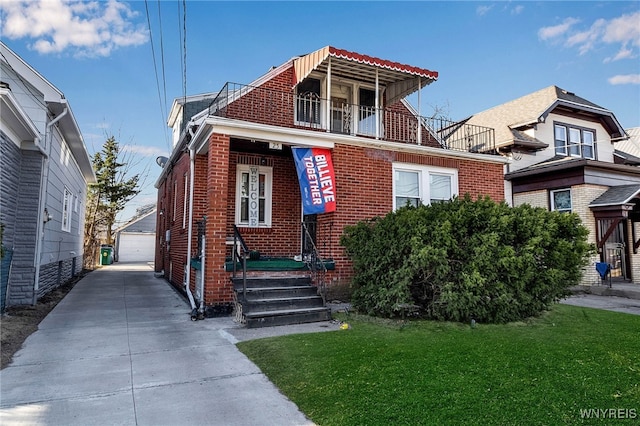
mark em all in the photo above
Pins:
pixel 136 247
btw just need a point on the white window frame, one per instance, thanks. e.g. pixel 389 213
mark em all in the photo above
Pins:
pixel 552 200
pixel 570 144
pixel 185 201
pixel 175 200
pixel 67 209
pixel 424 180
pixel 268 195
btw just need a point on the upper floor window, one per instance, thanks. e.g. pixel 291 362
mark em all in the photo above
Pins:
pixel 561 200
pixel 574 141
pixel 414 185
pixel 308 101
pixel 253 196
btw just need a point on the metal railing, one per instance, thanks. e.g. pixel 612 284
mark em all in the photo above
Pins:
pixel 240 250
pixel 395 124
pixel 316 265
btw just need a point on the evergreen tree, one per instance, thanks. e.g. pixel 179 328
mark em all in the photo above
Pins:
pixel 108 196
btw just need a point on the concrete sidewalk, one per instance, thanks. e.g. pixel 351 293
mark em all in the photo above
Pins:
pixel 120 349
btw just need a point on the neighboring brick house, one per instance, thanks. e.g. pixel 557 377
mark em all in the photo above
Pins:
pixel 44 171
pixel 350 105
pixel 567 155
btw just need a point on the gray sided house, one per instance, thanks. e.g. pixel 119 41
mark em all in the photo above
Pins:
pixel 136 240
pixel 569 154
pixel 44 172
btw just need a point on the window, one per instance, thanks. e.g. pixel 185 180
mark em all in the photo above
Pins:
pixel 253 196
pixel 308 101
pixel 367 112
pixel 561 140
pixel 184 202
pixel 175 200
pixel 414 184
pixel 587 144
pixel 561 200
pixel 580 141
pixel 66 210
pixel 407 188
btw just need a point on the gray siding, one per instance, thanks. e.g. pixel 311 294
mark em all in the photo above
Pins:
pixel 21 176
pixel 63 172
pixel 55 274
pixel 28 185
pixel 146 224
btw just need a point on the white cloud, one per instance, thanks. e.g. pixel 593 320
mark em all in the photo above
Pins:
pixel 84 28
pixel 517 10
pixel 483 10
pixel 625 79
pixel 555 31
pixel 623 31
pixel 145 151
pixel 623 53
pixel 586 40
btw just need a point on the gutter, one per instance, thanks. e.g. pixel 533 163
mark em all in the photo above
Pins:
pixel 192 161
pixel 42 205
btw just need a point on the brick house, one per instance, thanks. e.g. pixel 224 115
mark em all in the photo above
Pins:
pixel 347 108
pixel 44 172
pixel 567 155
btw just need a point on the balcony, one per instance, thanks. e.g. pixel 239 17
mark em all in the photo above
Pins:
pixel 395 123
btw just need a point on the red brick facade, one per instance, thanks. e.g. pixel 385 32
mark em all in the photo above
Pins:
pixel 364 188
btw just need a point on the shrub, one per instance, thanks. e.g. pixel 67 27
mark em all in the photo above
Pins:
pixel 466 259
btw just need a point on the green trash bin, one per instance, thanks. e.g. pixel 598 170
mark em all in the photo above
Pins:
pixel 106 255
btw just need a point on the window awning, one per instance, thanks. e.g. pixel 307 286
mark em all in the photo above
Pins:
pixel 400 80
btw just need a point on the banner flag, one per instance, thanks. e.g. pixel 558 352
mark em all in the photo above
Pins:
pixel 317 179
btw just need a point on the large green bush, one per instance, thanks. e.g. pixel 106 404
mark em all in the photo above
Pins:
pixel 465 259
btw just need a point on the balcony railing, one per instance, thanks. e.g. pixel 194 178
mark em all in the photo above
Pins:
pixel 396 123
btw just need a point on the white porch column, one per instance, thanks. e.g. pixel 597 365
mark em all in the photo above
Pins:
pixel 377 106
pixel 328 114
pixel 419 114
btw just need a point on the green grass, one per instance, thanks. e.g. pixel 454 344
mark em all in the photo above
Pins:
pixel 542 372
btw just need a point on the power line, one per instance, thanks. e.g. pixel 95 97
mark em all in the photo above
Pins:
pixel 164 79
pixel 184 78
pixel 182 16
pixel 155 69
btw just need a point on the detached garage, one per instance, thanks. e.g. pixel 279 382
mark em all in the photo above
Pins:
pixel 136 240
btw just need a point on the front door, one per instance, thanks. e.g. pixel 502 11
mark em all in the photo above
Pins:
pixel 615 250
pixel 310 222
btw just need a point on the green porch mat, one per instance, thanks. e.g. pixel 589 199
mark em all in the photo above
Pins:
pixel 274 264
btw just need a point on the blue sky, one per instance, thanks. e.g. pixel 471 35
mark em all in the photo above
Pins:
pixel 99 54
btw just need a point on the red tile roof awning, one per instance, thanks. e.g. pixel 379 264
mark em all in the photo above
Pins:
pixel 399 79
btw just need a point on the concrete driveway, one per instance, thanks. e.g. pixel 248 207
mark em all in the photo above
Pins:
pixel 120 349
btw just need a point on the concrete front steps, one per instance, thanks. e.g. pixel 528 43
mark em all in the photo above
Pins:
pixel 279 300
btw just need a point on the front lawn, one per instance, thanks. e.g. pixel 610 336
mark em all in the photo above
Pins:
pixel 381 372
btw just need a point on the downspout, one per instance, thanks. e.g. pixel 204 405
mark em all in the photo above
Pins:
pixel 192 163
pixel 202 263
pixel 43 204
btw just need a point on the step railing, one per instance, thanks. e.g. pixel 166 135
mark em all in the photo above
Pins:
pixel 316 265
pixel 240 251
